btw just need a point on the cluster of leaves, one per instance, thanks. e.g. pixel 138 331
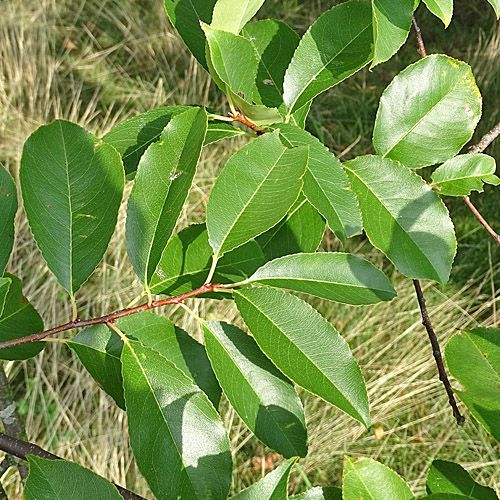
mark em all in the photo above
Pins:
pixel 266 217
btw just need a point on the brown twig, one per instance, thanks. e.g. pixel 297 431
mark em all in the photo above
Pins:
pixel 109 318
pixel 486 140
pixel 436 351
pixel 21 449
pixel 420 40
pixel 481 219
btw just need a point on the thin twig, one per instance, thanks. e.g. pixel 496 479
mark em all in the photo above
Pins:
pixel 420 40
pixel 486 140
pixel 436 351
pixel 20 449
pixel 238 117
pixel 481 219
pixel 109 318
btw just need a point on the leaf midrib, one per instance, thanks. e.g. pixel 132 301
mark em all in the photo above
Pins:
pixel 325 65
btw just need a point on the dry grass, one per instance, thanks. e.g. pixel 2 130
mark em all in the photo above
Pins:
pixel 99 62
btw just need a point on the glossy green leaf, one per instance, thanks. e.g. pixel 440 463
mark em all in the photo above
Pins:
pixel 62 480
pixel 254 191
pixel 337 45
pixel 261 395
pixel 465 173
pixel 186 15
pixel 428 112
pixel 328 493
pixel 164 178
pixel 132 137
pixel 366 478
pixel 4 290
pixel 19 319
pixel 232 15
pixel 473 358
pixel 305 347
pixel 72 187
pixel 273 487
pixel 164 407
pixel 341 277
pixel 409 224
pixel 217 131
pixel 300 231
pixel 99 349
pixel 447 496
pixel 448 477
pixel 496 5
pixel 391 26
pixel 187 259
pixel 8 210
pixel 256 113
pixel 299 117
pixel 274 43
pixel 442 9
pixel 326 184
pixel 227 51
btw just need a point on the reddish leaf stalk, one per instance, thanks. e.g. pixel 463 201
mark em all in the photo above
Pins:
pixel 109 318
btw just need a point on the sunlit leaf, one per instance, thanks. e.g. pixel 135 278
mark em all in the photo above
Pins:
pixel 428 112
pixel 403 217
pixel 232 15
pixel 305 347
pixel 442 9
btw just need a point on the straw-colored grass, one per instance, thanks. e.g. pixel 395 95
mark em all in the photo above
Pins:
pixel 100 62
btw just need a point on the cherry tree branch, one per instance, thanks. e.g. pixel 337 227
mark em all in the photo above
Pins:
pixel 420 40
pixel 436 351
pixel 20 449
pixel 109 318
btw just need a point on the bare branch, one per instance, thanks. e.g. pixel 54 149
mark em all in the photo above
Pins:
pixel 436 351
pixel 420 40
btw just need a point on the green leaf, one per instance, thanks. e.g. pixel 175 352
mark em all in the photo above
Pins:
pixel 274 43
pixel 186 262
pixel 391 26
pixel 227 51
pixel 448 477
pixel 217 131
pixel 186 15
pixel 165 411
pixel 496 5
pixel 366 478
pixel 300 116
pixel 4 290
pixel 300 231
pixel 447 496
pixel 465 173
pixel 19 319
pixel 8 210
pixel 473 358
pixel 273 487
pixel 403 217
pixel 326 184
pixel 132 137
pixel 264 398
pixel 99 349
pixel 442 9
pixel 72 187
pixel 256 113
pixel 305 347
pixel 428 112
pixel 62 480
pixel 337 45
pixel 162 184
pixel 341 277
pixel 232 15
pixel 254 191
pixel 328 493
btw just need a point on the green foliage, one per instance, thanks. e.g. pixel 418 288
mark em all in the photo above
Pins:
pixel 8 209
pixel 72 188
pixel 447 477
pixel 465 173
pixel 480 375
pixel 366 478
pixel 403 217
pixel 265 220
pixel 44 482
pixel 428 112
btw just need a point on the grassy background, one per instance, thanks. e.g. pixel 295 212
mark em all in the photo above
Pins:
pixel 98 62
